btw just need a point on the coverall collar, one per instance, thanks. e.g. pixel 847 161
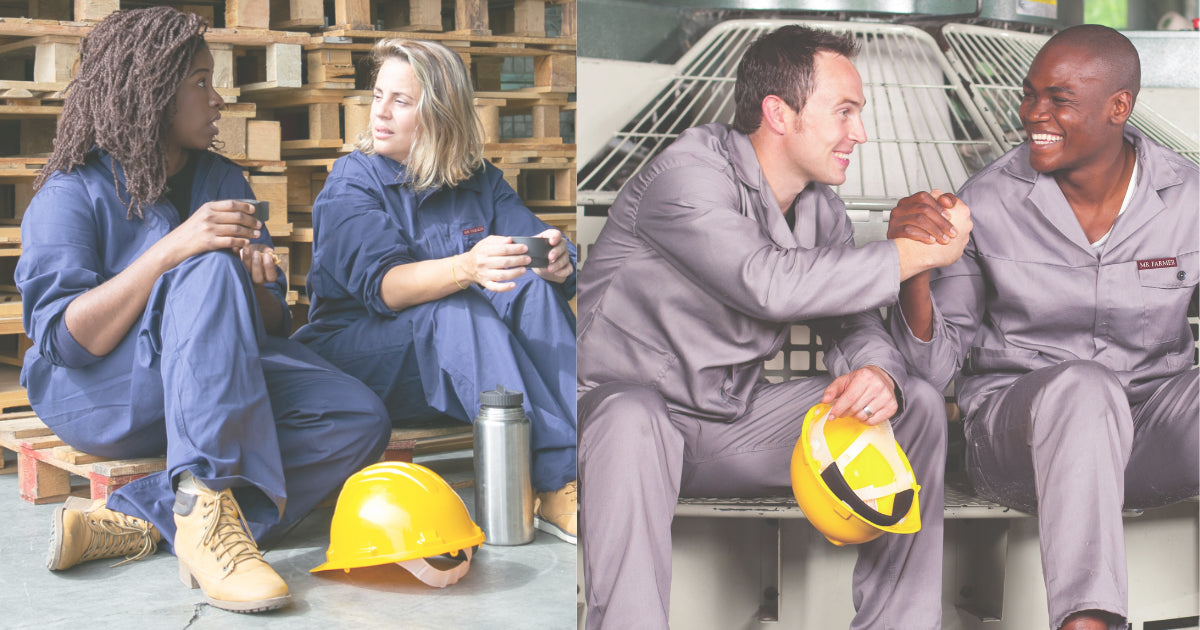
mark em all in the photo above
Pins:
pixel 1156 173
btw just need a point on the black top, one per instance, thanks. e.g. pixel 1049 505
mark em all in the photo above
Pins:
pixel 179 187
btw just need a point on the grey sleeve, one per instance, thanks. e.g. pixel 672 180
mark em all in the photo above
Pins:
pixel 693 217
pixel 958 304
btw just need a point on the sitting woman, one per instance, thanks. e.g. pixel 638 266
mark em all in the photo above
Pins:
pixel 157 316
pixel 417 288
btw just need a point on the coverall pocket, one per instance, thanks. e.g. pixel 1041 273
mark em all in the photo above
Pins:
pixel 983 360
pixel 614 346
pixel 1166 293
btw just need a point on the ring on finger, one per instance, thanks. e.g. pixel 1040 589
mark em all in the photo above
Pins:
pixel 867 411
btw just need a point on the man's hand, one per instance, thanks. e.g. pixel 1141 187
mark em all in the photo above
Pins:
pixel 930 231
pixel 560 259
pixel 867 393
pixel 924 217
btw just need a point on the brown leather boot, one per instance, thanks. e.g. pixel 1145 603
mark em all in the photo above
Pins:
pixel 84 530
pixel 217 554
pixel 556 512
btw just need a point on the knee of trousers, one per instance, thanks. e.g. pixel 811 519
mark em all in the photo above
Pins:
pixel 620 415
pixel 1075 398
pixel 363 417
pixel 921 429
pixel 212 265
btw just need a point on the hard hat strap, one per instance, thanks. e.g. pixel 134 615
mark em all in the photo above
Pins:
pixel 435 577
pixel 837 484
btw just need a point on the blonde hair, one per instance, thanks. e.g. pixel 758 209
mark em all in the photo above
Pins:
pixel 447 145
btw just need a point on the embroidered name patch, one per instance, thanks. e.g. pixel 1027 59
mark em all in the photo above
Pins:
pixel 1157 263
pixel 476 230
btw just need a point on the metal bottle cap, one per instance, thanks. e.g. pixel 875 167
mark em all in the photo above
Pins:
pixel 501 397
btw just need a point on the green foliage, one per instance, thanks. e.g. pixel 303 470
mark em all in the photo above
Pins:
pixel 1112 13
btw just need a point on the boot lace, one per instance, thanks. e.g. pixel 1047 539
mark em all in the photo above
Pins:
pixel 226 532
pixel 115 534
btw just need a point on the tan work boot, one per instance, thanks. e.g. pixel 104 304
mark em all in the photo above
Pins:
pixel 84 530
pixel 217 554
pixel 556 512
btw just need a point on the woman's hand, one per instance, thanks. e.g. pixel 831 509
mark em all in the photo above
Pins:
pixel 225 224
pixel 494 263
pixel 560 267
pixel 260 261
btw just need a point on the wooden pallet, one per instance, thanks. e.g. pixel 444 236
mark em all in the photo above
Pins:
pixel 46 466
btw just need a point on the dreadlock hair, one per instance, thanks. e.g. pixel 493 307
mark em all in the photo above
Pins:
pixel 122 98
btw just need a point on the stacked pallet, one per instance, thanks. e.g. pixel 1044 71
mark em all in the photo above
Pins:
pixel 522 115
pixel 297 97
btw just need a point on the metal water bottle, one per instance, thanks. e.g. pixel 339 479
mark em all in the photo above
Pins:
pixel 503 493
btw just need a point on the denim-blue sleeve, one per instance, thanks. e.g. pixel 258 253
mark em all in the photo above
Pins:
pixel 514 219
pixel 355 240
pixel 60 260
pixel 232 184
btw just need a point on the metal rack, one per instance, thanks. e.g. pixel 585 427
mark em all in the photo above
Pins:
pixel 924 131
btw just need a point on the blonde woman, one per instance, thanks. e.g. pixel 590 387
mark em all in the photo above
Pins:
pixel 417 288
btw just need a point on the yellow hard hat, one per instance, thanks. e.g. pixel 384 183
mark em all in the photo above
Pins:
pixel 852 479
pixel 403 513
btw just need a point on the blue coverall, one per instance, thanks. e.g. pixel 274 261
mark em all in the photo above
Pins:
pixel 197 378
pixel 435 358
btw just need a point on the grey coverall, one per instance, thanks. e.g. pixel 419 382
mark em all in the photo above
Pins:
pixel 1076 385
pixel 694 282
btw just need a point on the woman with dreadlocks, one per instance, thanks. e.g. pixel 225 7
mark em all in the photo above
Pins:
pixel 154 306
pixel 417 287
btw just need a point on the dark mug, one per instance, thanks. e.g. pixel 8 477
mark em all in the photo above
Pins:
pixel 262 209
pixel 539 250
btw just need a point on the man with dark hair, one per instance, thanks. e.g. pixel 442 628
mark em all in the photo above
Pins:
pixel 708 257
pixel 1066 320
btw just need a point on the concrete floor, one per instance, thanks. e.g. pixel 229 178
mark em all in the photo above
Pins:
pixel 530 586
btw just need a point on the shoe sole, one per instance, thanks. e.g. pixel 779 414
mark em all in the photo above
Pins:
pixel 255 606
pixel 54 555
pixel 554 530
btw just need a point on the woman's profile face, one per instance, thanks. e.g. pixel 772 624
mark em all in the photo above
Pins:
pixel 394 110
pixel 197 105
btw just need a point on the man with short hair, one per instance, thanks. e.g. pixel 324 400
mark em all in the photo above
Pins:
pixel 708 257
pixel 1066 320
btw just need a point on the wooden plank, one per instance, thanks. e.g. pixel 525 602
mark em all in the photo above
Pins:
pixel 11 392
pixel 471 17
pixel 247 14
pixel 262 140
pixel 352 13
pixel 11 431
pixel 529 18
pixel 283 65
pixel 70 455
pixel 357 114
pixel 39 481
pixel 120 467
pixel 424 15
pixel 95 10
pixel 231 131
pixel 555 73
pixel 324 121
pixel 54 60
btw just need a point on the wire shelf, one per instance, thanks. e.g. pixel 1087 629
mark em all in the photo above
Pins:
pixel 924 131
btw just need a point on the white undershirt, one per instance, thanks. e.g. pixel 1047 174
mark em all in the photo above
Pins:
pixel 1099 244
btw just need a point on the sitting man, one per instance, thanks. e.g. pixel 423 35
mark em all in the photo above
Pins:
pixel 709 255
pixel 1066 320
